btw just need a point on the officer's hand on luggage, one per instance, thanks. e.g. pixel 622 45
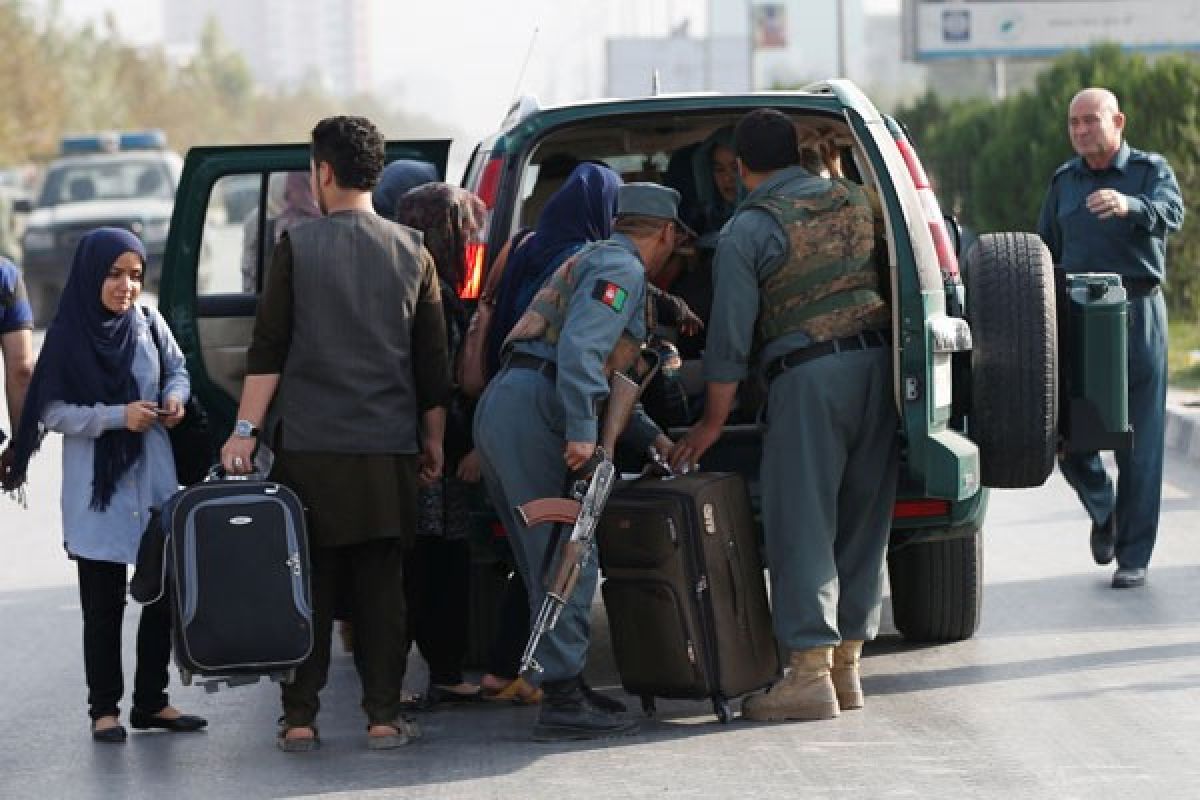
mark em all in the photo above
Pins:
pixel 685 456
pixel 172 412
pixel 140 415
pixel 430 463
pixel 469 469
pixel 577 454
pixel 237 456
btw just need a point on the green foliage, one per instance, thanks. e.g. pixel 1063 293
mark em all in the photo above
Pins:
pixel 60 81
pixel 992 162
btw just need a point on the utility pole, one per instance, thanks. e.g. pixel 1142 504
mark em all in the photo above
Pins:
pixel 841 37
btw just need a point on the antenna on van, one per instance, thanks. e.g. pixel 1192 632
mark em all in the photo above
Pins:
pixel 655 83
pixel 525 64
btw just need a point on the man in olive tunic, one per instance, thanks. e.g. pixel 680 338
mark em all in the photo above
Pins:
pixel 538 418
pixel 798 292
pixel 355 419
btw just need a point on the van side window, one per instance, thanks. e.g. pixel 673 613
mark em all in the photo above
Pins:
pixel 232 209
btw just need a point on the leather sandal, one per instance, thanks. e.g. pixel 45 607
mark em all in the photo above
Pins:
pixel 517 691
pixel 113 735
pixel 302 744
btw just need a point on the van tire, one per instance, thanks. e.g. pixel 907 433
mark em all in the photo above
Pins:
pixel 1013 417
pixel 937 588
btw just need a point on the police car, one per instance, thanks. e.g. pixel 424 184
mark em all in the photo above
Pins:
pixel 125 180
pixel 998 362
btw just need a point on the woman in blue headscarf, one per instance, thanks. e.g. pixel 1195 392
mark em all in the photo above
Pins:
pixel 396 180
pixel 102 383
pixel 714 169
pixel 581 211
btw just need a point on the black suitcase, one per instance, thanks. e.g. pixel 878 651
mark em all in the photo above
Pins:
pixel 237 551
pixel 684 590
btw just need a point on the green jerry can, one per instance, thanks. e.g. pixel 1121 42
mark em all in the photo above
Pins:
pixel 1094 381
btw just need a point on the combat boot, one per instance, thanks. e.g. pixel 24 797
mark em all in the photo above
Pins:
pixel 804 692
pixel 567 714
pixel 845 674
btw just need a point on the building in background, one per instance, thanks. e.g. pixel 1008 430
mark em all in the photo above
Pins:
pixel 286 43
pixel 683 63
pixel 796 41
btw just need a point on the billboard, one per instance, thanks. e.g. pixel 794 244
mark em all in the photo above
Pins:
pixel 936 29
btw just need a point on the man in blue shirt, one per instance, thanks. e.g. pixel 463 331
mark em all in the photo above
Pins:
pixel 16 345
pixel 1110 210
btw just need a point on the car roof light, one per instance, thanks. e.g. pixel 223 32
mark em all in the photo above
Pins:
pixel 112 142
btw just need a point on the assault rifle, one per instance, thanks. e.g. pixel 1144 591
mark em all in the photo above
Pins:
pixel 582 509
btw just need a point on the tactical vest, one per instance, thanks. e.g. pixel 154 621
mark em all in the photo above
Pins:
pixel 547 313
pixel 828 287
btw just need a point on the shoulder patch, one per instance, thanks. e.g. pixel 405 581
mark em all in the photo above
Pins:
pixel 610 294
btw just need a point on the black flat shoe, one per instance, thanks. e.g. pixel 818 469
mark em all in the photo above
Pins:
pixel 114 735
pixel 184 723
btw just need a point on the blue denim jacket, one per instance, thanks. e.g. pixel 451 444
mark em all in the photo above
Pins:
pixel 114 534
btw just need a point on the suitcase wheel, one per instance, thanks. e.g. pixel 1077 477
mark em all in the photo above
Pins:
pixel 722 710
pixel 185 676
pixel 648 706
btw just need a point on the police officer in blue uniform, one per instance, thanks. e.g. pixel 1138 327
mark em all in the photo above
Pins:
pixel 538 419
pixel 1110 210
pixel 799 298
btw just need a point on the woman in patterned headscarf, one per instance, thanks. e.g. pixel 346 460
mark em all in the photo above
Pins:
pixel 438 567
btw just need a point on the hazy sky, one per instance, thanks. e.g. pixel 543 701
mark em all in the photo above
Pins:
pixel 459 60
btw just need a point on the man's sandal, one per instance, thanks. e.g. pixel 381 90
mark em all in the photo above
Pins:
pixel 517 691
pixel 297 744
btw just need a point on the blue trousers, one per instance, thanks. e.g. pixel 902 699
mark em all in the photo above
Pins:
pixel 829 469
pixel 1138 494
pixel 519 432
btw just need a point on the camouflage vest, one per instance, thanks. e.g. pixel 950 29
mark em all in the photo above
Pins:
pixel 829 286
pixel 547 312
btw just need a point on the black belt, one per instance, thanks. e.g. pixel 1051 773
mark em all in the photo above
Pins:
pixel 545 366
pixel 859 341
pixel 1138 288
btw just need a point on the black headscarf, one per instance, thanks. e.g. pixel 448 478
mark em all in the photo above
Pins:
pixel 87 358
pixel 396 179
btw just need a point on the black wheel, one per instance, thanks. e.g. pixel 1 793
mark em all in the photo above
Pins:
pixel 1013 418
pixel 722 710
pixel 648 706
pixel 937 589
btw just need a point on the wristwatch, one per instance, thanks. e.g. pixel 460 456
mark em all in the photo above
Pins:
pixel 244 429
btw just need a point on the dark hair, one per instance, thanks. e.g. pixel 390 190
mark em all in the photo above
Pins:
pixel 765 140
pixel 353 147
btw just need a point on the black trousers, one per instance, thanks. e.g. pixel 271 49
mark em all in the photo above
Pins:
pixel 504 658
pixel 437 584
pixel 370 575
pixel 102 587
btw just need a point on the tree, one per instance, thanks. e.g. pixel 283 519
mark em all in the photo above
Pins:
pixel 993 162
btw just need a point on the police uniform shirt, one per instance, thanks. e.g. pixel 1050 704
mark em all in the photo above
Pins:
pixel 609 298
pixel 1132 246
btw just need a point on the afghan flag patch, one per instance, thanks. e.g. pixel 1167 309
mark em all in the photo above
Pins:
pixel 610 294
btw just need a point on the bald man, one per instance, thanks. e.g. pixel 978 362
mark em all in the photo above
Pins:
pixel 1110 210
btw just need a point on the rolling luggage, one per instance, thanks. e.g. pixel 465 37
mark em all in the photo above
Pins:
pixel 237 553
pixel 684 590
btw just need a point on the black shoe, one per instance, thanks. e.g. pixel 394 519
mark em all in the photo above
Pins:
pixel 1129 577
pixel 184 723
pixel 1104 540
pixel 602 701
pixel 568 715
pixel 114 735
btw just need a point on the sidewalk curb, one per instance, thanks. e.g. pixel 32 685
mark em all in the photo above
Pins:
pixel 1183 429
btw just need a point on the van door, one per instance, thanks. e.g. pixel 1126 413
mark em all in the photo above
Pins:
pixel 232 205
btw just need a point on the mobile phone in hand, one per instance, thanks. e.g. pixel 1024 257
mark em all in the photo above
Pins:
pixel 163 412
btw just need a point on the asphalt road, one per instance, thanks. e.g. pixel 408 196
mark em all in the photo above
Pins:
pixel 1070 690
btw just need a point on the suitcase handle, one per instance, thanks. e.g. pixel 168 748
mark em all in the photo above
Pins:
pixel 733 562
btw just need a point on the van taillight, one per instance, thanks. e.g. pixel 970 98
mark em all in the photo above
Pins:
pixel 942 245
pixel 918 509
pixel 489 184
pixel 473 275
